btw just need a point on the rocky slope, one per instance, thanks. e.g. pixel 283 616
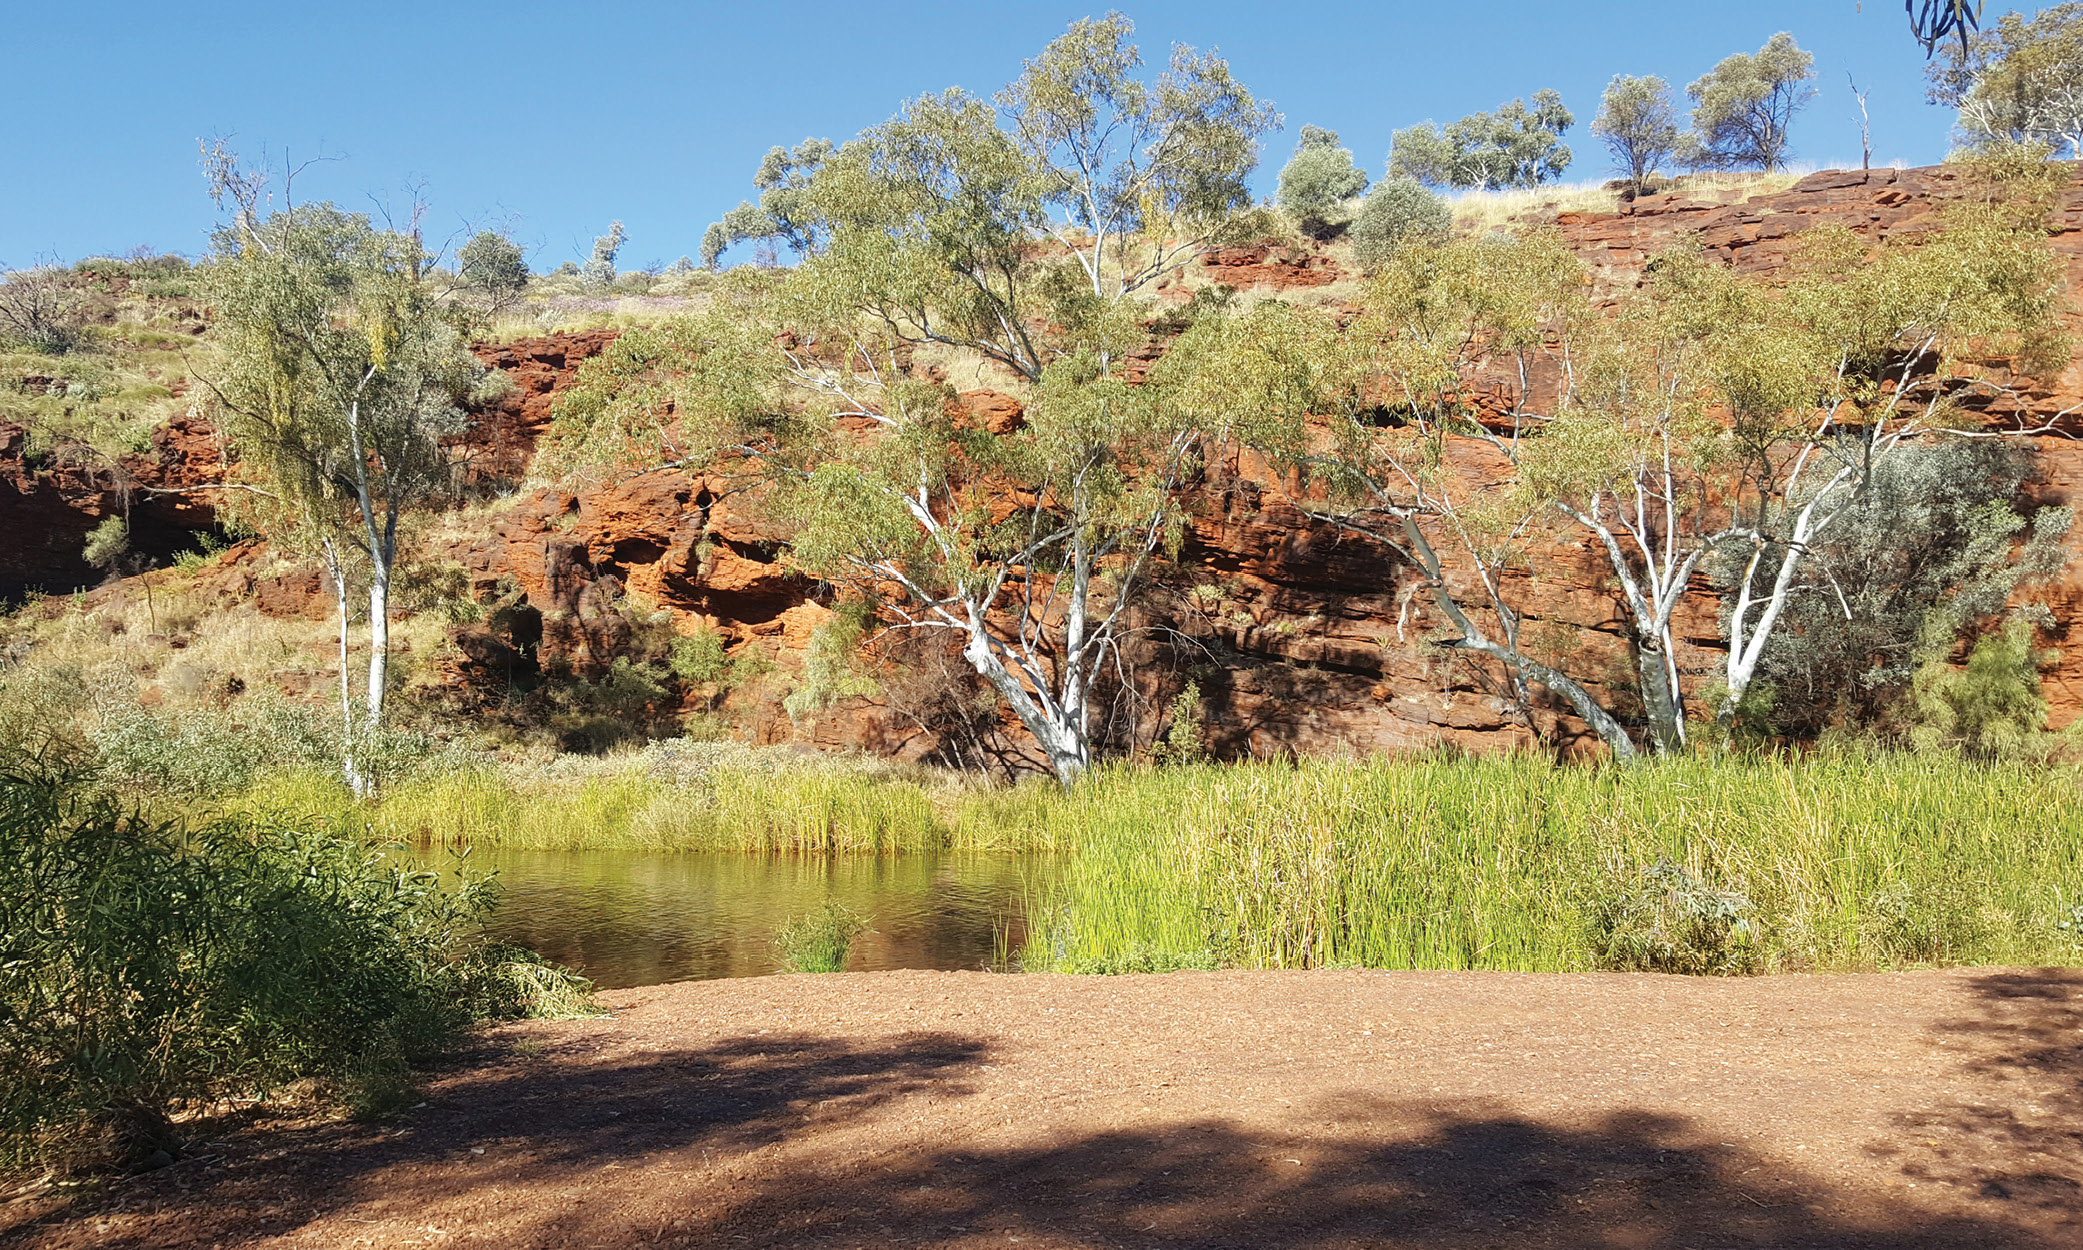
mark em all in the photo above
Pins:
pixel 1306 644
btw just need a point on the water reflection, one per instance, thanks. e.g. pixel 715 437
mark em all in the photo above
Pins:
pixel 636 918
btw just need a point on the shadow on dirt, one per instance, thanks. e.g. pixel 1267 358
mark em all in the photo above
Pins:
pixel 577 1151
pixel 2025 1146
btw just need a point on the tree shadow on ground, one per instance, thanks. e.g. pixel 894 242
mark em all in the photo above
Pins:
pixel 580 1151
pixel 2026 1146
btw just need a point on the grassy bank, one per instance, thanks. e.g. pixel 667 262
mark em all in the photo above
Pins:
pixel 1836 861
pixel 1840 862
pixel 686 797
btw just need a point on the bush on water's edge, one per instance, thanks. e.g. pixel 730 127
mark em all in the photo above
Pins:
pixel 152 968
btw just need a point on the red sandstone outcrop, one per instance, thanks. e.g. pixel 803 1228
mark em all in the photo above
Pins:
pixel 1270 267
pixel 1301 638
pixel 49 502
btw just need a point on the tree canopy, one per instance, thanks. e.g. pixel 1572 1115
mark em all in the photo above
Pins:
pixel 1010 238
pixel 1516 146
pixel 1743 106
pixel 1319 181
pixel 1638 124
pixel 2018 83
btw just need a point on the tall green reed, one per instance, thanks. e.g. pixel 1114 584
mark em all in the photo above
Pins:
pixel 1842 862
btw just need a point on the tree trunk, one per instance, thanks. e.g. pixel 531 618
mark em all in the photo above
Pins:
pixel 379 637
pixel 1660 700
pixel 1059 728
pixel 352 774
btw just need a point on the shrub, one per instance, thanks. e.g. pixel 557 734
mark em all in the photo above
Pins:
pixel 1318 181
pixel 599 270
pixel 820 941
pixel 1664 919
pixel 150 967
pixel 493 267
pixel 1993 708
pixel 42 309
pixel 1400 211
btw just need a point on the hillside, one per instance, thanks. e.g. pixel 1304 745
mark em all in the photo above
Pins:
pixel 1297 636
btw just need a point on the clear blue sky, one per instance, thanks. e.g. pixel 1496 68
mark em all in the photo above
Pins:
pixel 557 118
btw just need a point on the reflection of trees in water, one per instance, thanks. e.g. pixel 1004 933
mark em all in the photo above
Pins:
pixel 631 918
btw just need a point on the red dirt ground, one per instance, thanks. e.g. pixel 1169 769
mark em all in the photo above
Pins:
pixel 1246 1109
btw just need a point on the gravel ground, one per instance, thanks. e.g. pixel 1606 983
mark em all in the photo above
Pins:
pixel 1247 1109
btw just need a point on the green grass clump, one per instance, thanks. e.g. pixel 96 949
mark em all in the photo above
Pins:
pixel 1708 865
pixel 820 941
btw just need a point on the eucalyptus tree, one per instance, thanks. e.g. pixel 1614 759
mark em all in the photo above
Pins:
pixel 1743 107
pixel 1638 125
pixel 1009 238
pixel 1516 146
pixel 339 378
pixel 1486 404
pixel 2019 82
pixel 1319 181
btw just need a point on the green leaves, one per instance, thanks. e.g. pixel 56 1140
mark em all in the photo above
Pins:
pixel 1742 107
pixel 1515 146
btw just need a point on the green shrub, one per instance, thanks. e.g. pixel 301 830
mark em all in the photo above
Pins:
pixel 148 967
pixel 1318 181
pixel 1400 211
pixel 1664 919
pixel 820 941
pixel 1993 708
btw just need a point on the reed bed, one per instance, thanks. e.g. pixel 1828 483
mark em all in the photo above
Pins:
pixel 742 802
pixel 1842 860
pixel 1839 862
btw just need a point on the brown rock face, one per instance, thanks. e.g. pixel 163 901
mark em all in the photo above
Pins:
pixel 49 503
pixel 501 439
pixel 1269 267
pixel 1312 641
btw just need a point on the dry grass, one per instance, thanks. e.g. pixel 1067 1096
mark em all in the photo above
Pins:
pixel 1476 212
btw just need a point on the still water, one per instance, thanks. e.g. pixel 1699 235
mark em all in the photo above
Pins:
pixel 638 918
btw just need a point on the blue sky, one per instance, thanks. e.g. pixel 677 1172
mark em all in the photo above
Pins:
pixel 555 119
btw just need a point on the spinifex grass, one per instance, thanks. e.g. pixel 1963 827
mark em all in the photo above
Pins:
pixel 1845 861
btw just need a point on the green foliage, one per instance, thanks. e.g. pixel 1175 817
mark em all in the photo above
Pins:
pixel 1929 547
pixel 1743 106
pixel 700 660
pixel 784 211
pixel 1185 737
pixel 1318 181
pixel 1993 708
pixel 107 542
pixel 830 672
pixel 1515 146
pixel 922 232
pixel 146 967
pixel 654 800
pixel 207 547
pixel 493 268
pixel 598 272
pixel 1841 860
pixel 1638 124
pixel 1664 919
pixel 820 941
pixel 1399 211
pixel 2019 83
